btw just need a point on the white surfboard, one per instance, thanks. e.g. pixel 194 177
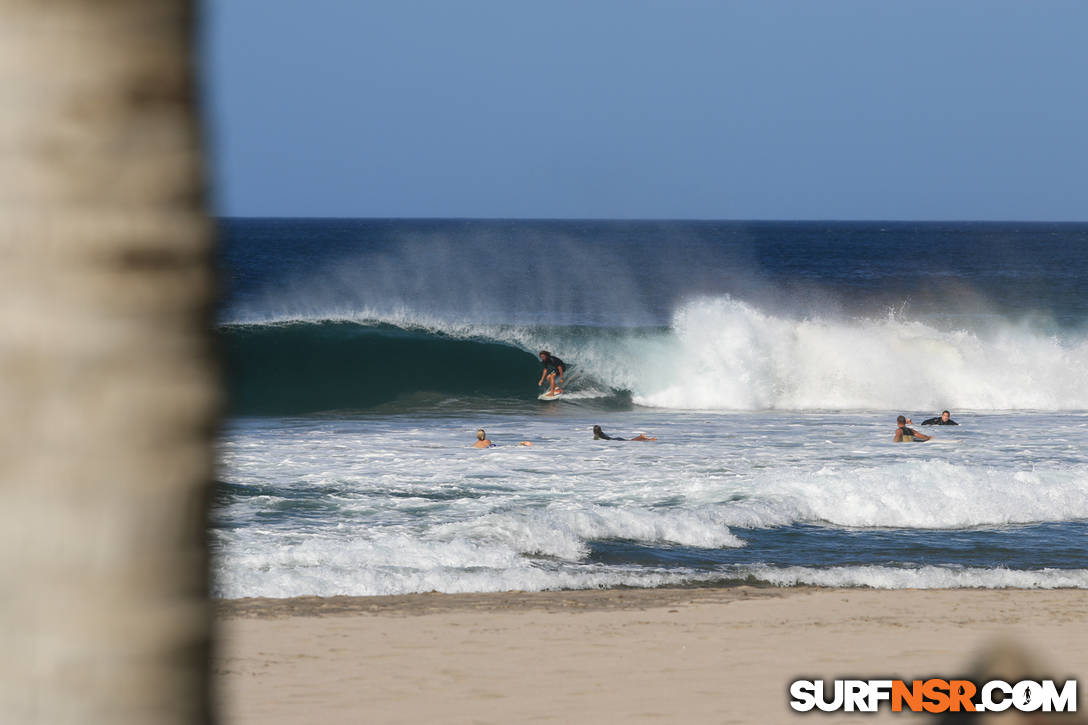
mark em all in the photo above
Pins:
pixel 549 396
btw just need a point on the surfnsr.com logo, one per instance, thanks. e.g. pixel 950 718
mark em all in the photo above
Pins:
pixel 933 695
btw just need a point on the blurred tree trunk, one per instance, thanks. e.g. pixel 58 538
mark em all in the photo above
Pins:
pixel 107 391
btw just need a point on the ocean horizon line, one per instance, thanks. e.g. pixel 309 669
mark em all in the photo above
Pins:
pixel 648 220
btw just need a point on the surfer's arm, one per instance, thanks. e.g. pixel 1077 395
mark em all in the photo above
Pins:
pixel 921 436
pixel 898 435
pixel 561 370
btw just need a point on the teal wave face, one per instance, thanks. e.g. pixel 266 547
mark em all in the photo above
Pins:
pixel 309 367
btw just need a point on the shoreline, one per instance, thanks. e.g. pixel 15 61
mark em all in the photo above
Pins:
pixel 570 600
pixel 423 603
pixel 689 655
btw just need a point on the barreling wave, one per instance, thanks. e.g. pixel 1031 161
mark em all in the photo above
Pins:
pixel 279 369
pixel 718 353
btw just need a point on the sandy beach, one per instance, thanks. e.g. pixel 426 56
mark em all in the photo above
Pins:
pixel 660 655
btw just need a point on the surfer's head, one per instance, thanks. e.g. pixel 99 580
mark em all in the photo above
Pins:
pixel 901 420
pixel 597 432
pixel 544 354
pixel 480 435
pixel 945 415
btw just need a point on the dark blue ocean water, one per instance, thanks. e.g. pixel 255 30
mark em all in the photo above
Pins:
pixel 1008 269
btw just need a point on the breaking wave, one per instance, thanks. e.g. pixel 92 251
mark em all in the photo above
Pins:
pixel 717 353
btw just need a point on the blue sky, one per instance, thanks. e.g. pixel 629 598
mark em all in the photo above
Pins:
pixel 862 109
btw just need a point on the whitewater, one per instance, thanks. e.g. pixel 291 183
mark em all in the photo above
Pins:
pixel 769 360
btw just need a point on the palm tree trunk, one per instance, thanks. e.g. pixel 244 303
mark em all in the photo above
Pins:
pixel 107 390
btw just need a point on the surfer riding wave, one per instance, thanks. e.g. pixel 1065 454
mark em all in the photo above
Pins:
pixel 553 367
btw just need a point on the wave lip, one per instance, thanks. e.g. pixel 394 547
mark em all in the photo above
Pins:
pixel 566 533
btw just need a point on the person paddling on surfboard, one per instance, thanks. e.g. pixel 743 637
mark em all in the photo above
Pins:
pixel 482 441
pixel 903 434
pixel 552 366
pixel 600 435
pixel 944 418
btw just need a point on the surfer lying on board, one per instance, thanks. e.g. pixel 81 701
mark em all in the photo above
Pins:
pixel 903 434
pixel 600 435
pixel 483 442
pixel 552 366
pixel 944 419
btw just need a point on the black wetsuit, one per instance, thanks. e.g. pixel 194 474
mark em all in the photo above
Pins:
pixel 553 364
pixel 601 435
pixel 938 421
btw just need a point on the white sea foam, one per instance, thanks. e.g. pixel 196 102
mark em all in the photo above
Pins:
pixel 924 494
pixel 368 581
pixel 724 354
pixel 402 565
pixel 392 505
pixel 488 553
pixel 925 577
pixel 565 532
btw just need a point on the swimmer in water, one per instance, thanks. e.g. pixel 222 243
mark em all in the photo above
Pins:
pixel 903 434
pixel 483 442
pixel 600 435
